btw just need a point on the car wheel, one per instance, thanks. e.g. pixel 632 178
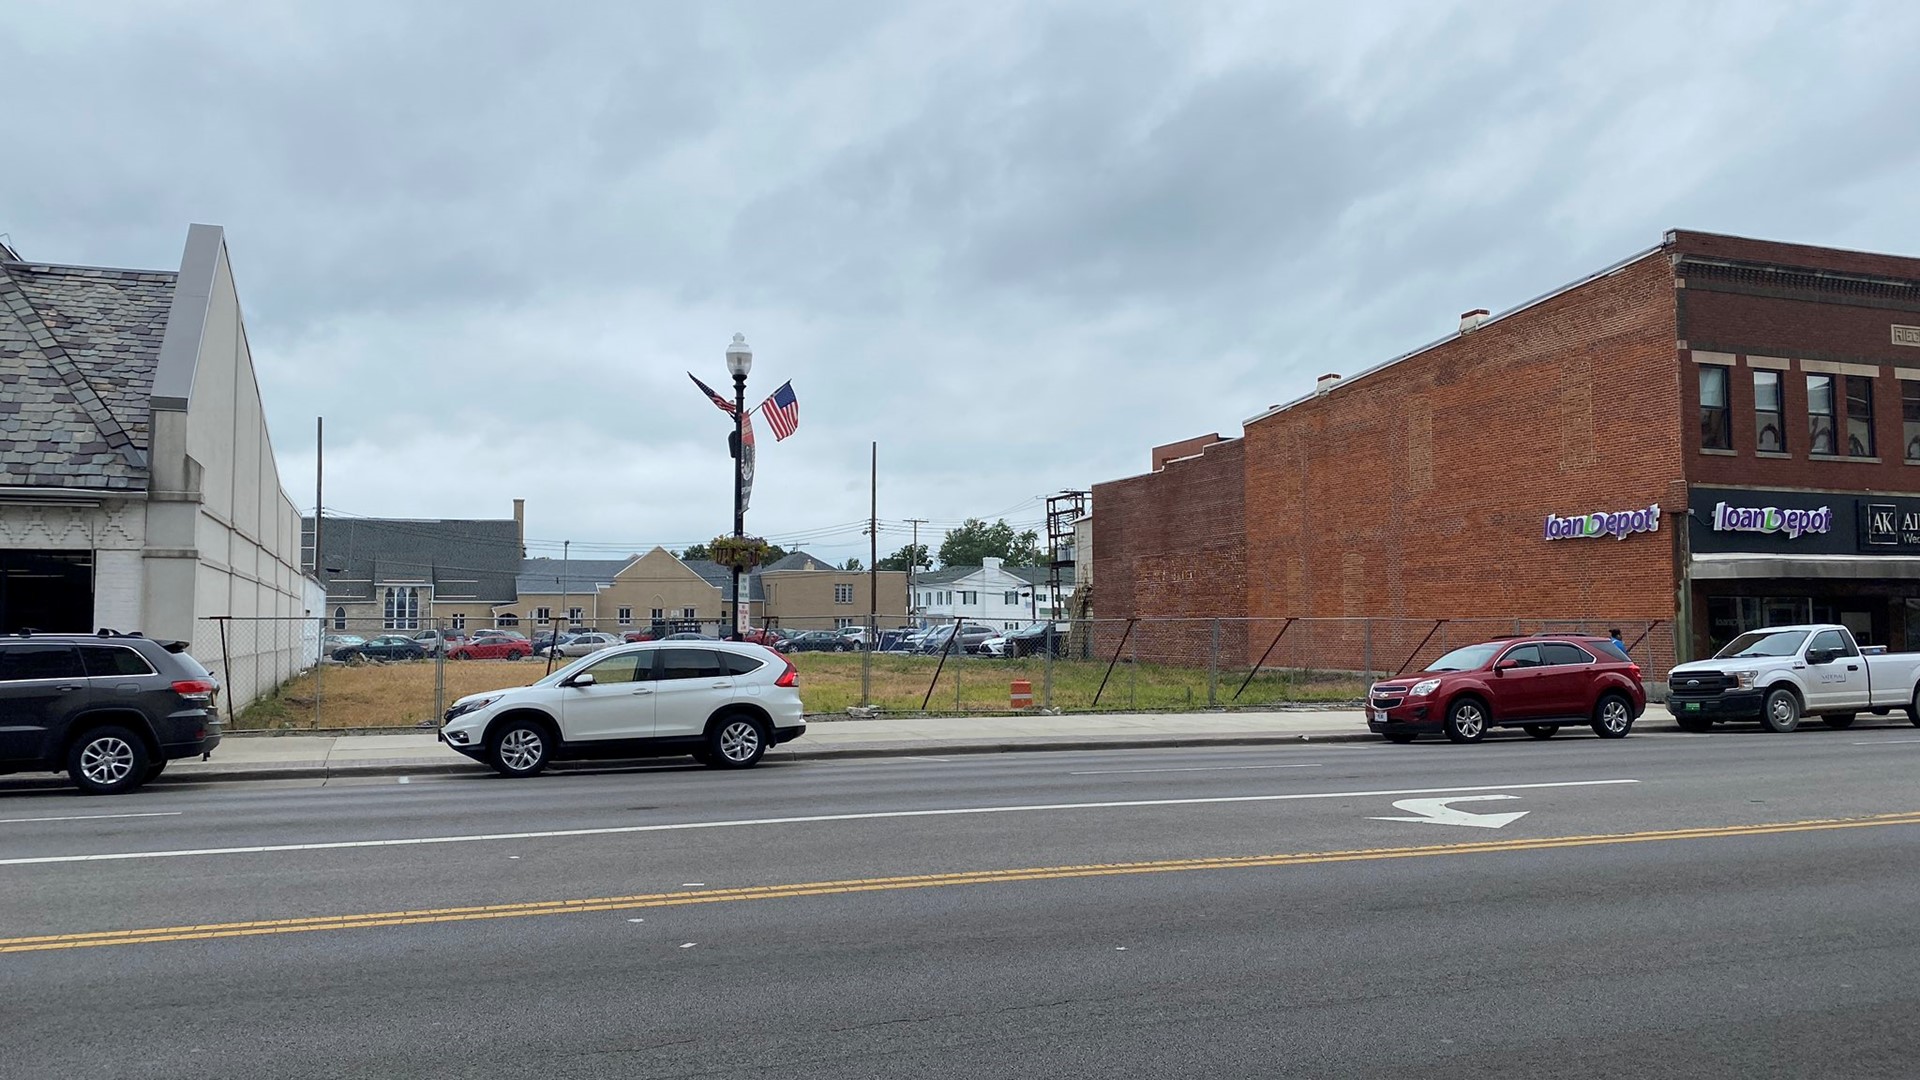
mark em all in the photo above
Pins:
pixel 1543 731
pixel 1838 721
pixel 107 761
pixel 1782 711
pixel 1613 717
pixel 736 741
pixel 1466 721
pixel 518 655
pixel 1696 724
pixel 154 768
pixel 520 748
pixel 1401 737
pixel 1913 709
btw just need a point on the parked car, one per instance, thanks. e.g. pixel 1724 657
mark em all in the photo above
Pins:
pixel 1782 673
pixel 434 641
pixel 1032 640
pixel 688 635
pixel 637 635
pixel 857 636
pixel 110 710
pixel 1538 683
pixel 723 702
pixel 333 642
pixel 491 648
pixel 384 647
pixel 500 633
pixel 545 639
pixel 770 636
pixel 971 635
pixel 582 644
pixel 819 641
pixel 916 640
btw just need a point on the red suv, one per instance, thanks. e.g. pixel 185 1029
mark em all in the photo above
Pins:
pixel 1536 683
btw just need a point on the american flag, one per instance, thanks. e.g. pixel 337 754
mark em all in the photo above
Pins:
pixel 783 412
pixel 745 464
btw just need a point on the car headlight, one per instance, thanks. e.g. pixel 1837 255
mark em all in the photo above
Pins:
pixel 465 707
pixel 1424 687
pixel 1743 679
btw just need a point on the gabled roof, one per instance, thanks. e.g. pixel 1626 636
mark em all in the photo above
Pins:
pixel 78 350
pixel 800 560
pixel 1032 575
pixel 462 559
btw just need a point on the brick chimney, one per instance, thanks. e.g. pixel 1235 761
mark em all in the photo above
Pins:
pixel 1471 320
pixel 520 524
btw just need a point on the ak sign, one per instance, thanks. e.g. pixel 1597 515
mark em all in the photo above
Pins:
pixel 1803 522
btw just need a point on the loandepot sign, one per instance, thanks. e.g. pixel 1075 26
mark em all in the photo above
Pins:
pixel 1771 519
pixel 1618 525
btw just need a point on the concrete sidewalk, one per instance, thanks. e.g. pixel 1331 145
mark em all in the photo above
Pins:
pixel 275 757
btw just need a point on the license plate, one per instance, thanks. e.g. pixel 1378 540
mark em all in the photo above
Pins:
pixel 1691 706
pixel 1380 715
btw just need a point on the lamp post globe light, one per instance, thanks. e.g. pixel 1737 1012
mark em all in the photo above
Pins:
pixel 739 363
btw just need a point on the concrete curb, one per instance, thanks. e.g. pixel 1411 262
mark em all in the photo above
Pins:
pixel 931 749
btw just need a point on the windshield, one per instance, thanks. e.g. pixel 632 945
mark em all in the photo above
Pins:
pixel 1467 659
pixel 1763 643
pixel 561 673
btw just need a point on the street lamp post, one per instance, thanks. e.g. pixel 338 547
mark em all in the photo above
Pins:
pixel 739 363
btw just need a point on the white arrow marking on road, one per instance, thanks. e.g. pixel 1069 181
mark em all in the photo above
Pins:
pixel 1437 812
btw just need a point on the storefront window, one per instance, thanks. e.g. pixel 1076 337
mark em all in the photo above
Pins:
pixel 1716 432
pixel 1820 414
pixel 1859 416
pixel 1910 412
pixel 1769 415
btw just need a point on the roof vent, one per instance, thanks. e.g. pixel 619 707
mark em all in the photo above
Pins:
pixel 1325 383
pixel 1471 320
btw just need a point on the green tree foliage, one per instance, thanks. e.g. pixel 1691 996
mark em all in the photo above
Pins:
pixel 852 564
pixel 909 555
pixel 975 541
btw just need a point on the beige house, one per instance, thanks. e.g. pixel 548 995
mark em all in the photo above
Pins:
pixel 802 593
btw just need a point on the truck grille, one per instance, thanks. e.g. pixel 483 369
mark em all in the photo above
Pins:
pixel 1691 683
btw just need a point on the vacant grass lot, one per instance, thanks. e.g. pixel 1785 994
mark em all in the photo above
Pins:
pixel 401 695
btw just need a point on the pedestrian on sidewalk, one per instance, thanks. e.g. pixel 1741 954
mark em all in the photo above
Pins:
pixel 1614 636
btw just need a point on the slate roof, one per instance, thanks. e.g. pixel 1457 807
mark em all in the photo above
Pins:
pixel 78 350
pixel 798 561
pixel 582 576
pixel 721 578
pixel 463 559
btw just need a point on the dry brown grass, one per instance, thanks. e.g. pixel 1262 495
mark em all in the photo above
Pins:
pixel 402 695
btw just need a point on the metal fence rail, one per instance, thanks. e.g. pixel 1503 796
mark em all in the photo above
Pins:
pixel 301 674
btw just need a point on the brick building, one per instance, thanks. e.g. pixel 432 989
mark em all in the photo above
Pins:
pixel 1705 376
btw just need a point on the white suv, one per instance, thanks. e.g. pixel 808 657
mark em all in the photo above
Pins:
pixel 723 702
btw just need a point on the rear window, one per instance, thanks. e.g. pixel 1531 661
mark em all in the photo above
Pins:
pixel 1609 650
pixel 193 668
pixel 108 661
pixel 1559 653
pixel 738 664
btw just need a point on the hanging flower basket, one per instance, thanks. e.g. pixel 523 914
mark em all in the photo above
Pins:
pixel 739 552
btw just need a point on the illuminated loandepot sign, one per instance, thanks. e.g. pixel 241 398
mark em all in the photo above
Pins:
pixel 1618 525
pixel 1771 519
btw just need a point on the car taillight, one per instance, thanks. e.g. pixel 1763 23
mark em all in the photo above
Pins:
pixel 1635 669
pixel 789 677
pixel 194 688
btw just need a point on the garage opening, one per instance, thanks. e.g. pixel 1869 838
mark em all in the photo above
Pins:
pixel 46 591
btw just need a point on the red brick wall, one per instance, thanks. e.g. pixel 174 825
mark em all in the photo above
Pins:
pixel 1421 490
pixel 1834 328
pixel 1172 545
pixel 1181 449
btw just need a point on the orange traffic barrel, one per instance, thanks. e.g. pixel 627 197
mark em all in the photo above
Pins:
pixel 1022 694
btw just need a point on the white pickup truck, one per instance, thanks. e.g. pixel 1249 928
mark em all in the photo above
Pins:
pixel 1782 673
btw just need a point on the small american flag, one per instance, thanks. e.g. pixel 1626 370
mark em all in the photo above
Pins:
pixel 782 412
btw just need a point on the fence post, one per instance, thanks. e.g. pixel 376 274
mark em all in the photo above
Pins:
pixel 319 671
pixel 440 673
pixel 1046 669
pixel 1366 650
pixel 1213 667
pixel 226 662
pixel 959 703
pixel 866 663
pixel 1133 676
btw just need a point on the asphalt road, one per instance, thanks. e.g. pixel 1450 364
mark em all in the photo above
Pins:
pixel 1727 905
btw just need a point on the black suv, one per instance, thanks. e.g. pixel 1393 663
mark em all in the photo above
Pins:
pixel 109 709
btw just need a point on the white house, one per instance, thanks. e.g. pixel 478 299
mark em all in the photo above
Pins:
pixel 993 594
pixel 138 489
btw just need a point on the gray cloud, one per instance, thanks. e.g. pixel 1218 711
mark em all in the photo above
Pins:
pixel 1015 245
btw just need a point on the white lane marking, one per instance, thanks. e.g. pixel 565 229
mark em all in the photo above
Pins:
pixel 1192 768
pixel 689 944
pixel 406 779
pixel 89 817
pixel 1437 812
pixel 1880 742
pixel 619 830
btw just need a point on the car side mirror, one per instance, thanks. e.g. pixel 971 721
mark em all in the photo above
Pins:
pixel 1505 666
pixel 581 680
pixel 1820 656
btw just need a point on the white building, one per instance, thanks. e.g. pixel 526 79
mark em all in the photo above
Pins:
pixel 138 489
pixel 993 594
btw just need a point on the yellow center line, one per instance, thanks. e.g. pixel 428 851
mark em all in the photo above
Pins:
pixel 263 927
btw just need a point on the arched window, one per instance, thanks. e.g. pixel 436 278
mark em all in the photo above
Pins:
pixel 402 608
pixel 506 618
pixel 339 618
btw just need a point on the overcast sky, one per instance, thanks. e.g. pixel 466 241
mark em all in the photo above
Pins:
pixel 1016 244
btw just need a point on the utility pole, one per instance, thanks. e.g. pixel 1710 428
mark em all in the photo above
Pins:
pixel 913 565
pixel 319 473
pixel 553 625
pixel 873 581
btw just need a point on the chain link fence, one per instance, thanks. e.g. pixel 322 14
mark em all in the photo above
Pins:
pixel 308 674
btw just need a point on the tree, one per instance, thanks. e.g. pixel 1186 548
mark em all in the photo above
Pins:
pixel 976 541
pixel 696 552
pixel 852 564
pixel 909 555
